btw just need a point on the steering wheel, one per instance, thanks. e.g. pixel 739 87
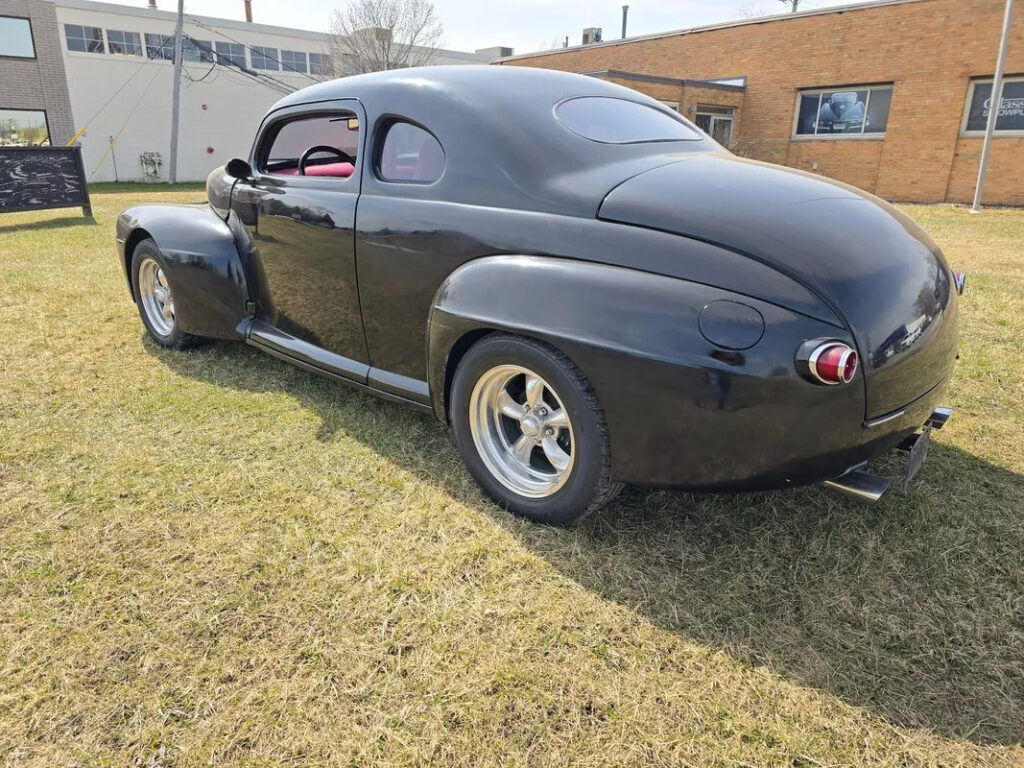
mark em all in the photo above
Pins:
pixel 345 156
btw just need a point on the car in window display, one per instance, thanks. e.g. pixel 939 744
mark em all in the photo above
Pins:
pixel 587 288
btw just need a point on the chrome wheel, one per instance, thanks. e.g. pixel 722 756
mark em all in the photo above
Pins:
pixel 156 297
pixel 521 431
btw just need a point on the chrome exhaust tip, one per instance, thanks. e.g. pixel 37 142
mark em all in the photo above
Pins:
pixel 860 485
pixel 939 417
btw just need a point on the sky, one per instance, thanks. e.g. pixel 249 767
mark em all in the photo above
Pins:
pixel 526 25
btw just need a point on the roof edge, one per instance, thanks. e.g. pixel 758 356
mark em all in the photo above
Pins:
pixel 711 28
pixel 680 81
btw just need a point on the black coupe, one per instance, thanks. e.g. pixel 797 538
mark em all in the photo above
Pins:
pixel 585 286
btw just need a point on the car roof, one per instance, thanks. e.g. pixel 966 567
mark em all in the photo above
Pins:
pixel 503 145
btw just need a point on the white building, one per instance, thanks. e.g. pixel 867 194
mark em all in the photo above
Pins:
pixel 119 65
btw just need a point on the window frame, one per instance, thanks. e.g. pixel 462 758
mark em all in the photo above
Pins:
pixel 230 58
pixel 276 59
pixel 996 133
pixel 272 127
pixel 31 37
pixel 821 91
pixel 287 67
pixel 380 135
pixel 46 119
pixel 102 39
pixel 163 44
pixel 324 57
pixel 124 33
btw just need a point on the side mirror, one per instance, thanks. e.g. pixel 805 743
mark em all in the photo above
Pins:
pixel 238 169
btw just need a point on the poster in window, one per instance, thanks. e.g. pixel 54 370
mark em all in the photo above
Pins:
pixel 842 112
pixel 1011 107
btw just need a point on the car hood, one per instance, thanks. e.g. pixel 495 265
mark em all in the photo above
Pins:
pixel 879 270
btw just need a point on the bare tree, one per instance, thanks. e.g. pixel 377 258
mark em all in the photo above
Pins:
pixel 375 35
pixel 791 3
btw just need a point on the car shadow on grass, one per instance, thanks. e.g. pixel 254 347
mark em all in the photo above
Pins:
pixel 911 608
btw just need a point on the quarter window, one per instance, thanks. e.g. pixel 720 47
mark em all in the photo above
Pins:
pixel 293 61
pixel 23 128
pixel 16 38
pixel 1010 118
pixel 88 39
pixel 231 53
pixel 852 111
pixel 282 149
pixel 410 154
pixel 264 58
pixel 124 43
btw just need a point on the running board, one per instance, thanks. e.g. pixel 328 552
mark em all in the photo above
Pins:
pixel 860 485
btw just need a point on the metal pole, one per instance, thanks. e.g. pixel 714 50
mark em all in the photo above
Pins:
pixel 113 158
pixel 625 12
pixel 172 168
pixel 995 101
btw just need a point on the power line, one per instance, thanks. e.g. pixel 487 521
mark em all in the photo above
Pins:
pixel 222 33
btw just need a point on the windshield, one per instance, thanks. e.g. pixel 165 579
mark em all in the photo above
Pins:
pixel 618 121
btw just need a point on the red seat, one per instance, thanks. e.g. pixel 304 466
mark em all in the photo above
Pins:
pixel 336 170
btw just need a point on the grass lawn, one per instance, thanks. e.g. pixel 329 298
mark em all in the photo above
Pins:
pixel 213 558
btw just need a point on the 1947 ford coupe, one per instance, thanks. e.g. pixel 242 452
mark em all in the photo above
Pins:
pixel 586 287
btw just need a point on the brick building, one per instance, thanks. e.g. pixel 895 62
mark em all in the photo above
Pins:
pixel 34 97
pixel 889 96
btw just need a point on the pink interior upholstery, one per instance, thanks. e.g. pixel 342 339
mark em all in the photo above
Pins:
pixel 337 170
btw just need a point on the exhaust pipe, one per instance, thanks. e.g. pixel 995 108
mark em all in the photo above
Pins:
pixel 860 485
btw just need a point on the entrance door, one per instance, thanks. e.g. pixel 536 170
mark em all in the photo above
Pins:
pixel 300 210
pixel 716 122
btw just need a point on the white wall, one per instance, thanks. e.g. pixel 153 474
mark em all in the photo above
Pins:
pixel 219 114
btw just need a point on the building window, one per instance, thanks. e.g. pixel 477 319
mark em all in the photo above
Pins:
pixel 293 61
pixel 88 39
pixel 160 46
pixel 124 43
pixel 321 64
pixel 196 50
pixel 264 58
pixel 1010 119
pixel 16 38
pixel 23 128
pixel 852 111
pixel 231 53
pixel 716 122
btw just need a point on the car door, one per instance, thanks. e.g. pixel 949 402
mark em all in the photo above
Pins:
pixel 299 207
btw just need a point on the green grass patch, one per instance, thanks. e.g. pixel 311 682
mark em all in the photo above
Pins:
pixel 212 558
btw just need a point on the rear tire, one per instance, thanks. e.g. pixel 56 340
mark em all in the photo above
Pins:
pixel 154 297
pixel 531 431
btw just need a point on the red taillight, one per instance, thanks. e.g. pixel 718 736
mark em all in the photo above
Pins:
pixel 833 363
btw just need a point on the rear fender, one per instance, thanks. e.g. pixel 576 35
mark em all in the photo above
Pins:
pixel 680 410
pixel 207 274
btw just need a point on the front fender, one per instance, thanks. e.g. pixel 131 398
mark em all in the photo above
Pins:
pixel 204 267
pixel 680 409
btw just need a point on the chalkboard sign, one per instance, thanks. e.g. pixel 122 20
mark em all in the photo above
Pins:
pixel 33 178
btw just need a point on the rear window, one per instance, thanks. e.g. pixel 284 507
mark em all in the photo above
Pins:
pixel 618 121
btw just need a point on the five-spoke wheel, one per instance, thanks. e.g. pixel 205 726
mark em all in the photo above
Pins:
pixel 521 430
pixel 530 429
pixel 154 295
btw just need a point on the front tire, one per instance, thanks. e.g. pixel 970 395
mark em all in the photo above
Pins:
pixel 154 297
pixel 531 430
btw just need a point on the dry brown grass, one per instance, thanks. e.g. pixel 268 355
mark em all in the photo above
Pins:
pixel 212 558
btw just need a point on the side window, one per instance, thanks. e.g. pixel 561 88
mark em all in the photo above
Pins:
pixel 325 145
pixel 410 154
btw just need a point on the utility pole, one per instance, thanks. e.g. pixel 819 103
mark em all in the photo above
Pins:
pixel 995 101
pixel 172 168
